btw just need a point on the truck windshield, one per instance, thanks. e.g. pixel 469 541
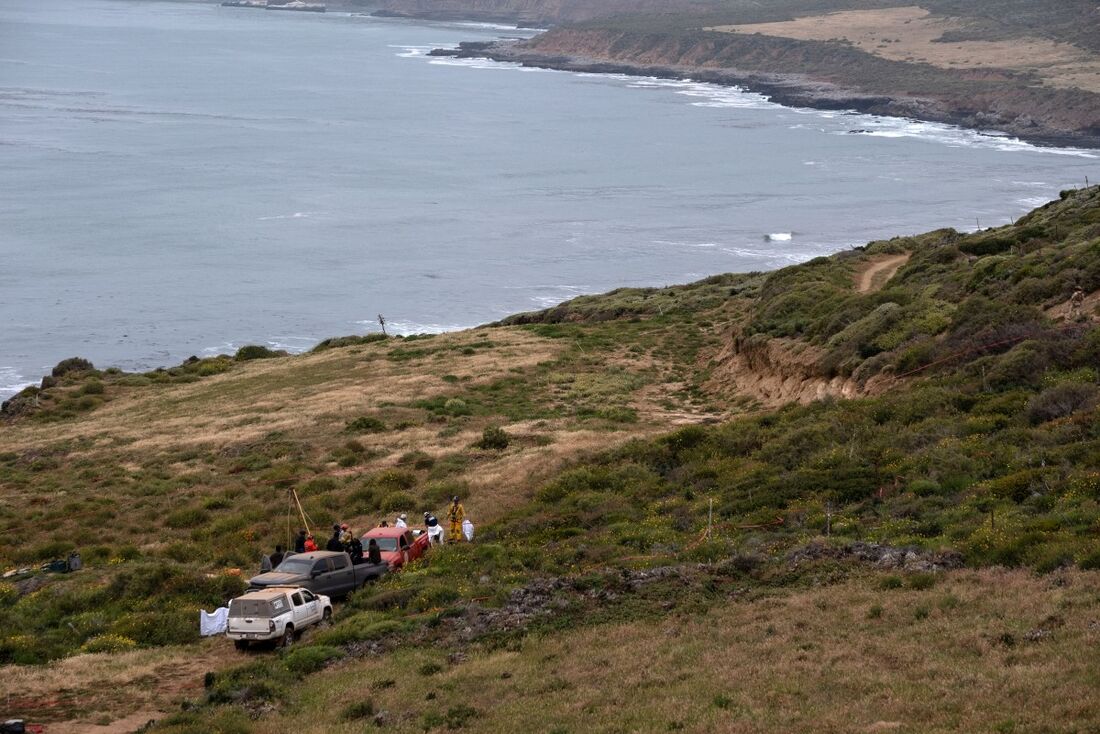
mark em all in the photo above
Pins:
pixel 385 544
pixel 295 565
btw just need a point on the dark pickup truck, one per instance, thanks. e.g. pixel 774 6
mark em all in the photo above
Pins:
pixel 322 572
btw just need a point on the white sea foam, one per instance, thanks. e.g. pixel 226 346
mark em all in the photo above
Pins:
pixel 1032 202
pixel 778 237
pixel 413 52
pixel 772 257
pixel 292 344
pixel 295 215
pixel 12 382
pixel 548 301
pixel 951 135
pixel 407 328
pixel 494 26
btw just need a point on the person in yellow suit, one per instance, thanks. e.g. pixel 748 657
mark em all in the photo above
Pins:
pixel 456 514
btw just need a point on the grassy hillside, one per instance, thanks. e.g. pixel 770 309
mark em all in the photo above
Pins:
pixel 751 463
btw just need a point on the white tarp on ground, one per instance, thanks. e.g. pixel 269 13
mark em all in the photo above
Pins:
pixel 213 623
pixel 468 530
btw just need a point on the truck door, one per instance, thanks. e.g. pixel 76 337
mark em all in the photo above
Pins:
pixel 322 576
pixel 301 612
pixel 312 605
pixel 343 575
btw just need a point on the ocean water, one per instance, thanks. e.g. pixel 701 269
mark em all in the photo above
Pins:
pixel 182 178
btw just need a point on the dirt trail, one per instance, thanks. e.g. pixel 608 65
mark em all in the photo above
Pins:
pixel 877 272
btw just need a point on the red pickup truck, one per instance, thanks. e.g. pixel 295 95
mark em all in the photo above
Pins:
pixel 397 545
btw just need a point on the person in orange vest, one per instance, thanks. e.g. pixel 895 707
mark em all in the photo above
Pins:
pixel 310 544
pixel 456 514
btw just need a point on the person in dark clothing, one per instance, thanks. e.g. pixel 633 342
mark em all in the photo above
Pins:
pixel 300 542
pixel 355 550
pixel 374 554
pixel 277 556
pixel 334 543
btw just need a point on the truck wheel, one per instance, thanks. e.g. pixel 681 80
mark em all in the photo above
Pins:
pixel 326 617
pixel 240 644
pixel 288 637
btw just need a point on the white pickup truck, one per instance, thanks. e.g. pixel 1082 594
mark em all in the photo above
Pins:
pixel 276 613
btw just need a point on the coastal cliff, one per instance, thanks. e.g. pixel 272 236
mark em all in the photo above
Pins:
pixel 819 74
pixel 529 13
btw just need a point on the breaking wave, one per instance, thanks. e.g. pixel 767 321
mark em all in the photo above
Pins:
pixel 11 382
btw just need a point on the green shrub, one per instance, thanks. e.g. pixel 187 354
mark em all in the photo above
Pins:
pixel 1022 367
pixel 188 517
pixel 92 387
pixel 263 680
pixel 456 407
pixel 255 351
pixel 1090 561
pixel 358 710
pixel 458 716
pixel 440 493
pixel 922 581
pixel 394 479
pixel 924 487
pixel 311 658
pixel 891 582
pixel 395 501
pixel 352 630
pixel 618 414
pixel 430 668
pixel 365 424
pixel 108 643
pixel 493 438
pixel 1061 401
pixel 72 364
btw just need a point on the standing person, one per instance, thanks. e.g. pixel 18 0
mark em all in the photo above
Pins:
pixel 277 556
pixel 401 521
pixel 334 543
pixel 1076 302
pixel 374 553
pixel 355 550
pixel 345 535
pixel 311 544
pixel 457 513
pixel 300 542
pixel 435 530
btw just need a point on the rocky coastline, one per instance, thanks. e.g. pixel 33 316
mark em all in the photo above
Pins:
pixel 791 90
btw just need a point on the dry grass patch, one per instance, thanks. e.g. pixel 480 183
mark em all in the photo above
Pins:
pixel 288 394
pixel 979 651
pixel 912 34
pixel 116 692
